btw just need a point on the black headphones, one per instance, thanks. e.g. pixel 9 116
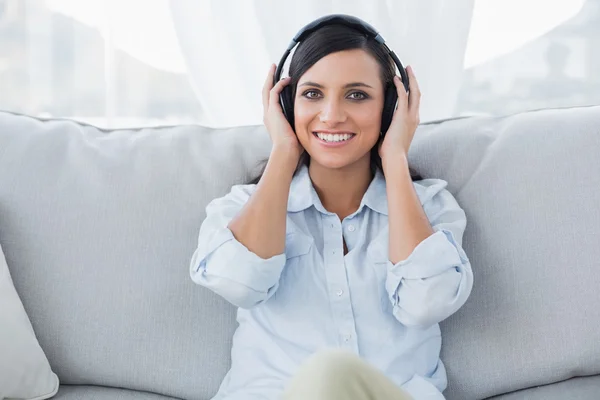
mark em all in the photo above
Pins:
pixel 391 96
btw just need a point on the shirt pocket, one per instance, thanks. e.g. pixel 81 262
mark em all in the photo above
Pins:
pixel 297 244
pixel 294 282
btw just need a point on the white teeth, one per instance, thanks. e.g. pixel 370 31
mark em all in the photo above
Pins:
pixel 333 138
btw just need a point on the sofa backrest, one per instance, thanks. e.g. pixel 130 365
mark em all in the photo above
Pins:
pixel 530 186
pixel 98 228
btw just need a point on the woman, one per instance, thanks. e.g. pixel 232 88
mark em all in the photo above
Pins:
pixel 341 265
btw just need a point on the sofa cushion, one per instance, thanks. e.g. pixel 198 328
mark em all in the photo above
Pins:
pixel 99 228
pixel 582 388
pixel 24 369
pixel 530 186
pixel 68 392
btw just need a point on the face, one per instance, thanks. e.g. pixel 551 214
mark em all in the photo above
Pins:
pixel 340 97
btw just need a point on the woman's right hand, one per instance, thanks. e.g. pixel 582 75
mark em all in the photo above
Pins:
pixel 281 133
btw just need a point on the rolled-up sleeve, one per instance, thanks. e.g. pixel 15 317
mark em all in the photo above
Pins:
pixel 436 279
pixel 223 264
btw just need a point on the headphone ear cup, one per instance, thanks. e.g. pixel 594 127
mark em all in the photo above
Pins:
pixel 389 106
pixel 287 105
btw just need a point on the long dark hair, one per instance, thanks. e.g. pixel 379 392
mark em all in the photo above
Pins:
pixel 330 39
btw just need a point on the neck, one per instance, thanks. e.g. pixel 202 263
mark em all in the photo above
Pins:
pixel 341 189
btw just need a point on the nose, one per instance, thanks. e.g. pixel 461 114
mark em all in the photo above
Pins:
pixel 332 112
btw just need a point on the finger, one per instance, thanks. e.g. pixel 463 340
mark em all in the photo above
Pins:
pixel 414 99
pixel 276 90
pixel 402 95
pixel 267 87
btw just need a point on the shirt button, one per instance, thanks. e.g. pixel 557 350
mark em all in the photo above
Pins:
pixel 351 228
pixel 346 338
pixel 339 292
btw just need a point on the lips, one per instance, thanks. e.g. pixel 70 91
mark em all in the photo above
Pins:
pixel 346 133
pixel 337 133
pixel 334 132
pixel 334 144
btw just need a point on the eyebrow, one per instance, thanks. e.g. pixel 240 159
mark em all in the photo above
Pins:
pixel 349 85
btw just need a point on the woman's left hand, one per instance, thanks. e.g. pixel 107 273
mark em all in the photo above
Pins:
pixel 405 120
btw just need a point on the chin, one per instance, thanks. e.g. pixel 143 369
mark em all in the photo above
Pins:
pixel 330 161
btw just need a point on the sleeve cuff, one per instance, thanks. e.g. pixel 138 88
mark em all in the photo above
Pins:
pixel 236 263
pixel 433 256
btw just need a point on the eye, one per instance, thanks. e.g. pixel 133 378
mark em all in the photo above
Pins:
pixel 362 96
pixel 306 94
pixel 314 94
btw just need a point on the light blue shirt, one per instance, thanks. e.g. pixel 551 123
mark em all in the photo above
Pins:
pixel 313 297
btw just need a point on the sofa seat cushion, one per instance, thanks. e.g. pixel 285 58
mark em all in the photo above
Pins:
pixel 85 392
pixel 581 388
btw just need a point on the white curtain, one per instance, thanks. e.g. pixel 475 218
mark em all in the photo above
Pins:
pixel 228 46
pixel 151 50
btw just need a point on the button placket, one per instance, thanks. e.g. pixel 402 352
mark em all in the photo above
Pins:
pixel 337 282
pixel 335 273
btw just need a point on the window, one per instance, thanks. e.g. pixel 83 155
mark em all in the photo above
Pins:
pixel 558 69
pixel 52 65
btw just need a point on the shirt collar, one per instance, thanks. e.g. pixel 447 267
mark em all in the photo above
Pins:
pixel 303 194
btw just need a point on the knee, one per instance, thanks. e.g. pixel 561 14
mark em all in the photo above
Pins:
pixel 327 374
pixel 332 365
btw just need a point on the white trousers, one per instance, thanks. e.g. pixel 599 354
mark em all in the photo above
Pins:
pixel 341 375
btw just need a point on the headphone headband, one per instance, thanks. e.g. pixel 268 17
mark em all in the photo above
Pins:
pixel 342 19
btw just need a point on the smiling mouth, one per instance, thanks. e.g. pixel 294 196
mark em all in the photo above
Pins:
pixel 330 138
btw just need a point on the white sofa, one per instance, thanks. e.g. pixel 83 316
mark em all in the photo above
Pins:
pixel 98 228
